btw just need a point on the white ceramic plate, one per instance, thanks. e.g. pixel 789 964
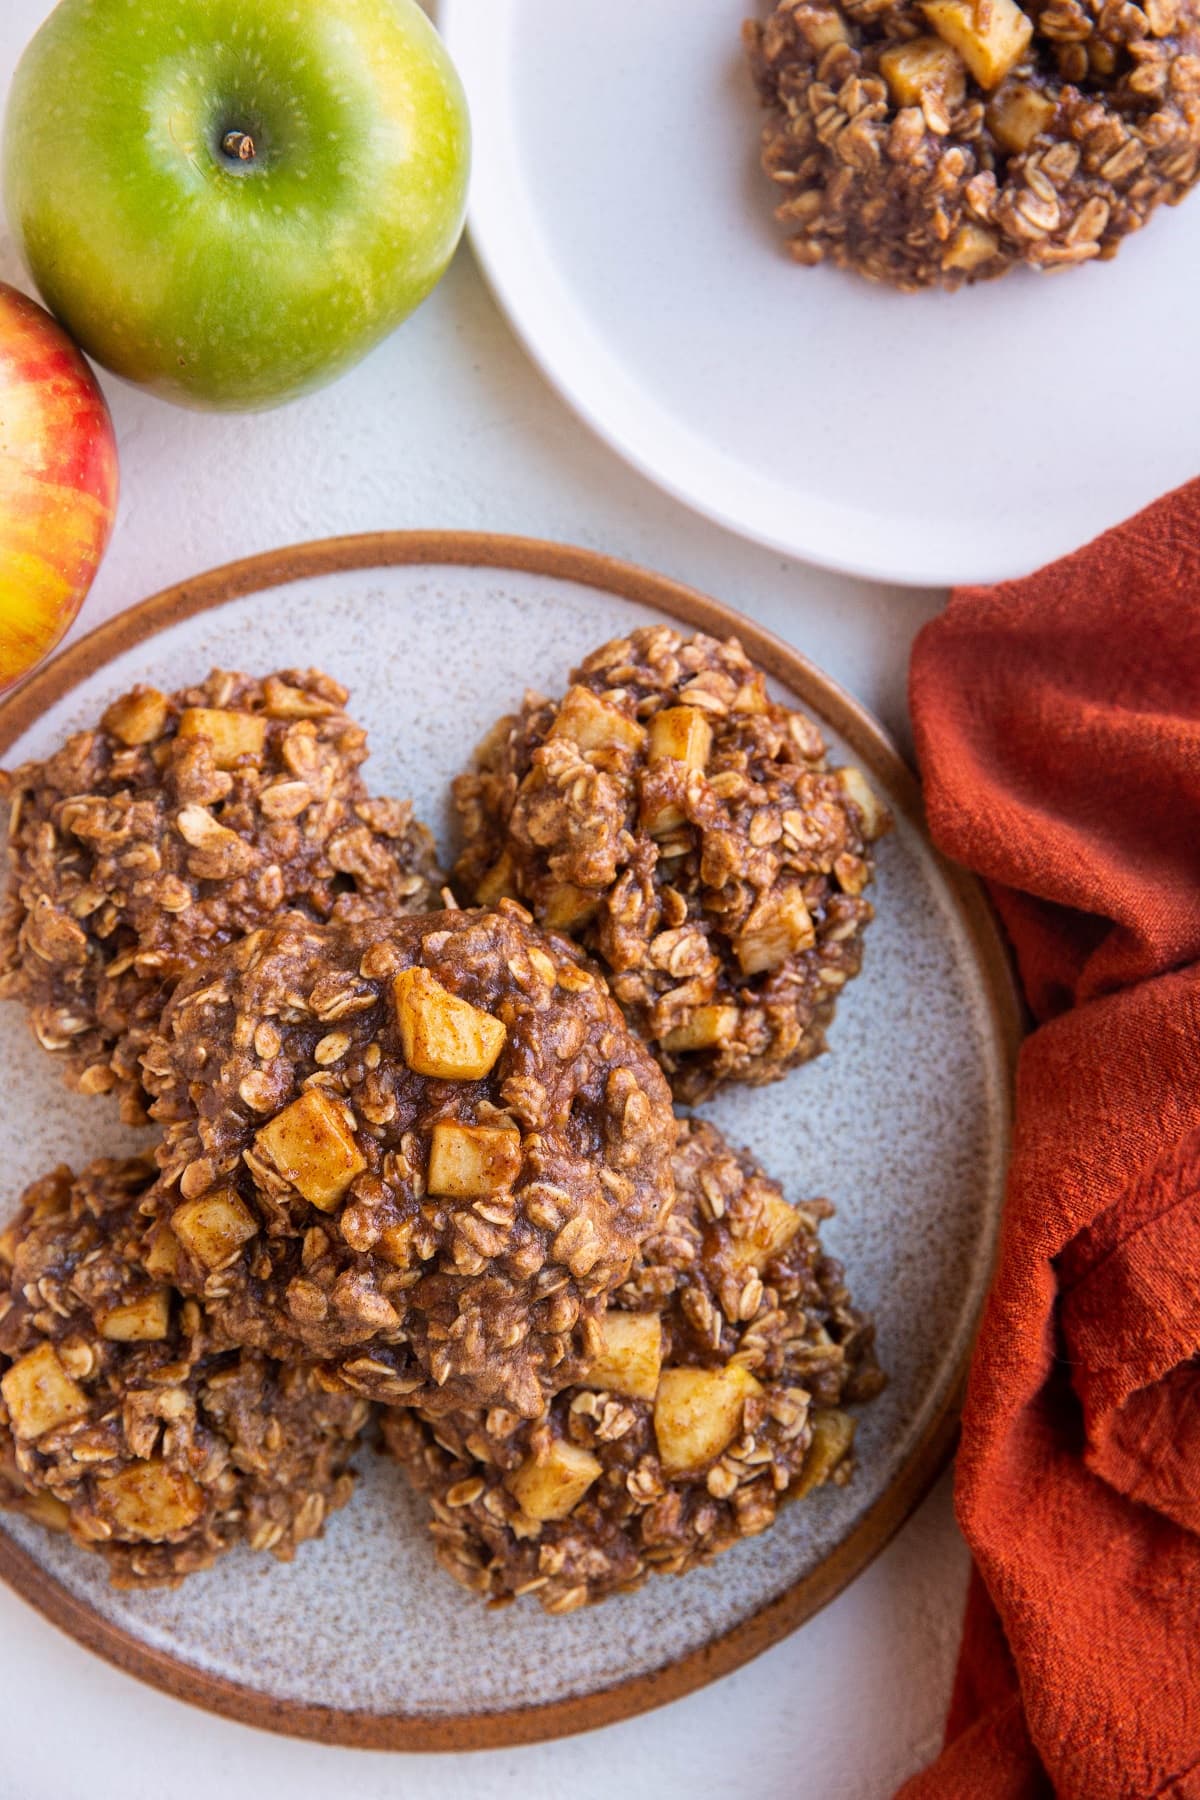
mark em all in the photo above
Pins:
pixel 904 1125
pixel 621 218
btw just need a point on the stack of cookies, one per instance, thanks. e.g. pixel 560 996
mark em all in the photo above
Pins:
pixel 412 1149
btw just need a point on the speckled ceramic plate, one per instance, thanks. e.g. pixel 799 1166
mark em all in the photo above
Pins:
pixel 904 1125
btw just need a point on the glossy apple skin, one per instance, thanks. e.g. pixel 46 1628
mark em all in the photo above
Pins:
pixel 217 282
pixel 58 482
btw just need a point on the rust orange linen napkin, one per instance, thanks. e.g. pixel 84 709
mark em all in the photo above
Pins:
pixel 1057 723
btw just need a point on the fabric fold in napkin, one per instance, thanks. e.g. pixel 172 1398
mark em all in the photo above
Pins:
pixel 1057 724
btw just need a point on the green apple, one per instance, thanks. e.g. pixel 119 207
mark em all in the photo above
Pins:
pixel 231 201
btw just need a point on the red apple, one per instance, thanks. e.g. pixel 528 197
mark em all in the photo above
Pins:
pixel 58 482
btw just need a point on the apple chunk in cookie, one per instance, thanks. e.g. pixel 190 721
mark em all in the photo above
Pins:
pixel 124 1422
pixel 691 833
pixel 422 1152
pixel 174 826
pixel 719 1388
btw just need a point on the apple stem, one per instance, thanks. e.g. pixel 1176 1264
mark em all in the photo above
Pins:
pixel 238 144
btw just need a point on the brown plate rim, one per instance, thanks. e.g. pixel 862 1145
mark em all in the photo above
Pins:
pixel 871 743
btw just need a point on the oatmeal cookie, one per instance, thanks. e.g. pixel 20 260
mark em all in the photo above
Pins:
pixel 177 824
pixel 423 1152
pixel 931 142
pixel 121 1421
pixel 724 1367
pixel 688 830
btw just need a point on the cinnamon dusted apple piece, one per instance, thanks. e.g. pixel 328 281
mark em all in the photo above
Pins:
pixel 146 1320
pixel 924 68
pixel 312 1145
pixel 593 724
pixel 1017 114
pixel 970 248
pixel 552 1486
pixel 149 1500
pixel 991 38
pixel 468 1162
pixel 679 735
pixel 442 1035
pixel 40 1394
pixel 833 1434
pixel 161 1253
pixel 778 928
pixel 138 717
pixel 213 1228
pixel 629 1358
pixel 229 735
pixel 766 1231
pixel 705 1028
pixel 698 1413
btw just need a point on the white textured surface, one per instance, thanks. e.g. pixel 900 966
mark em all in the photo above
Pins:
pixel 448 424
pixel 620 210
pixel 910 1148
